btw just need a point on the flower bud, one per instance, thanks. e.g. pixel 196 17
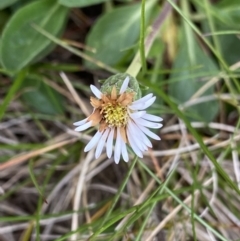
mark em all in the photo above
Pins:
pixel 117 81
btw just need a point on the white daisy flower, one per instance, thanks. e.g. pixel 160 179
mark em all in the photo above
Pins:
pixel 121 119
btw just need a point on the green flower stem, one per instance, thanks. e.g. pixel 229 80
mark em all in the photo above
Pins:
pixel 116 198
pixel 136 64
pixel 207 6
pixel 142 35
pixel 188 32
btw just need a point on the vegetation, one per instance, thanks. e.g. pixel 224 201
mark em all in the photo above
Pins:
pixel 186 52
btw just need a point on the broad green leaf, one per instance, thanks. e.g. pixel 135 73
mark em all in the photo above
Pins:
pixel 3 19
pixel 228 4
pixel 230 46
pixel 116 31
pixel 41 97
pixel 6 3
pixel 228 19
pixel 185 83
pixel 228 13
pixel 80 3
pixel 21 43
pixel 157 54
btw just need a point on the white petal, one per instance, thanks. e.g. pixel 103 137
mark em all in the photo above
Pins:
pixel 84 126
pixel 148 103
pixel 149 133
pixel 146 123
pixel 137 114
pixel 124 85
pixel 79 123
pixel 93 141
pixel 142 105
pixel 133 145
pixel 96 91
pixel 143 99
pixel 136 138
pixel 147 142
pixel 124 151
pixel 101 143
pixel 117 148
pixel 152 117
pixel 138 106
pixel 110 143
pixel 144 138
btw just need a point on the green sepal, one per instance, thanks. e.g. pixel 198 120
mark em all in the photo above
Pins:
pixel 143 87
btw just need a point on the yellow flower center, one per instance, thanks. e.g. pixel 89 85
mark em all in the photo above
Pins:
pixel 115 115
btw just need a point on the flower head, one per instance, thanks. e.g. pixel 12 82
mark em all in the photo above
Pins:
pixel 121 116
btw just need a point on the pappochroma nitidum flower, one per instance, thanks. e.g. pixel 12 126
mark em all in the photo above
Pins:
pixel 121 116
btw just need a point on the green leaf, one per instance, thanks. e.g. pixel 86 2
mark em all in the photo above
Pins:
pixel 11 92
pixel 41 97
pixel 228 4
pixel 3 19
pixel 80 3
pixel 6 3
pixel 114 32
pixel 185 82
pixel 230 52
pixel 228 19
pixel 21 43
